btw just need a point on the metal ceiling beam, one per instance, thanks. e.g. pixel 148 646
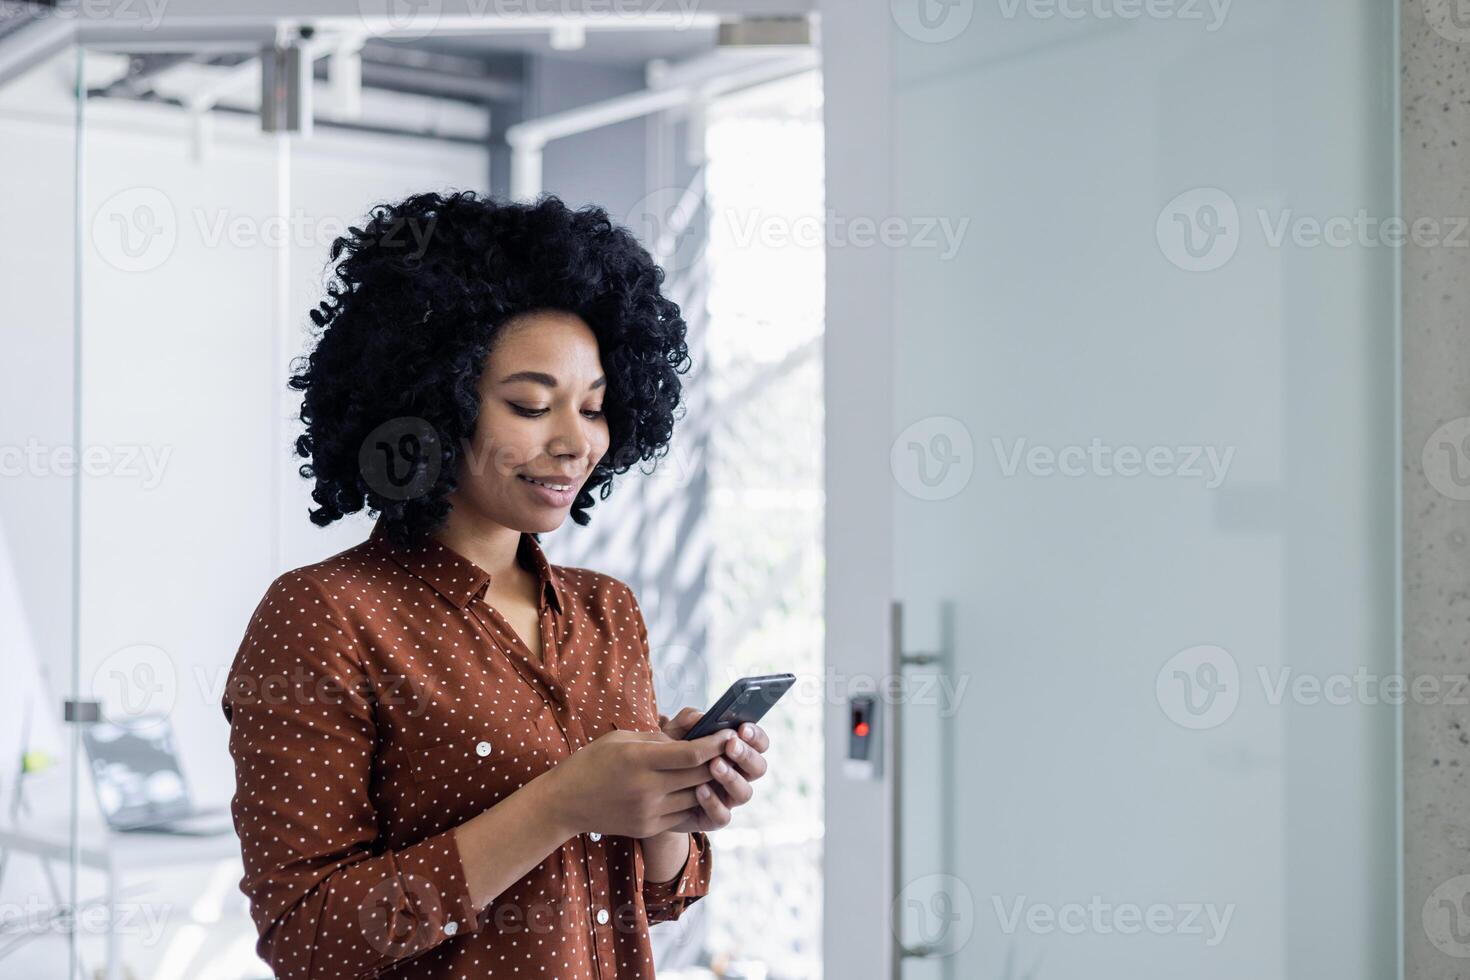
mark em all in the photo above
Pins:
pixel 346 126
pixel 383 66
pixel 31 39
pixel 142 70
pixel 448 14
pixel 417 81
pixel 170 35
pixel 528 139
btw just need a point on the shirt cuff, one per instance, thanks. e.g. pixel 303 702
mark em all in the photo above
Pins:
pixel 667 900
pixel 431 901
pixel 438 861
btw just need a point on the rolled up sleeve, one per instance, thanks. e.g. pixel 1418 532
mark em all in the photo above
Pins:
pixel 665 901
pixel 328 901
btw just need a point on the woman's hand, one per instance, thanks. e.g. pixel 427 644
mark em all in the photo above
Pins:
pixel 634 784
pixel 742 763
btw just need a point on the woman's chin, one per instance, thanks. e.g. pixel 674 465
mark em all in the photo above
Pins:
pixel 542 520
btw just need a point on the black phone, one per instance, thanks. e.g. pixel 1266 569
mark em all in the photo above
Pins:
pixel 748 699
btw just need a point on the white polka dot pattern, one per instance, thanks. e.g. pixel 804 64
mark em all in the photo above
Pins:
pixel 376 702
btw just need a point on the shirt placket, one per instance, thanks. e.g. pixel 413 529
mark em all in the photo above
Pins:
pixel 600 913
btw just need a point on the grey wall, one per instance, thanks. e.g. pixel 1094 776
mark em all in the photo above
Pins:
pixel 856 935
pixel 616 181
pixel 1436 560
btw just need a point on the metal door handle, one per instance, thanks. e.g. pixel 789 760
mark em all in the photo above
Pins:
pixel 899 659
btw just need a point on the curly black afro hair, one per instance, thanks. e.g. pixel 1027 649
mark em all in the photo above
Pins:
pixel 414 304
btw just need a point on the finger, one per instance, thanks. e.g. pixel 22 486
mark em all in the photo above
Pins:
pixel 686 754
pixel 740 749
pixel 745 758
pixel 710 801
pixel 737 788
pixel 673 780
pixel 756 736
pixel 678 801
pixel 684 720
pixel 670 821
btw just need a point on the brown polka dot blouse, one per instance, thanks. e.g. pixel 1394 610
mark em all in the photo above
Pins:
pixel 376 702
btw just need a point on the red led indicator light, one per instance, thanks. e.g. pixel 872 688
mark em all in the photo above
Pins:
pixel 861 728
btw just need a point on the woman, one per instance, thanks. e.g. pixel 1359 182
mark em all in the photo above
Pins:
pixel 449 761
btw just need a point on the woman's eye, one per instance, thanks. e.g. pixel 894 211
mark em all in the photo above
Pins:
pixel 532 413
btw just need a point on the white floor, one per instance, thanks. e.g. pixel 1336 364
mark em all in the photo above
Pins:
pixel 186 922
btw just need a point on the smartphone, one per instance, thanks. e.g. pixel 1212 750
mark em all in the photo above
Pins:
pixel 748 699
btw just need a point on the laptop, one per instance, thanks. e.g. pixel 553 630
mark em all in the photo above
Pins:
pixel 140 786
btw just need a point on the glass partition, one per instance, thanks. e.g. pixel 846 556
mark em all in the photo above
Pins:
pixel 205 242
pixel 1145 403
pixel 51 911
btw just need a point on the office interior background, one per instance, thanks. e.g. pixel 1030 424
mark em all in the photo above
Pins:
pixel 1081 409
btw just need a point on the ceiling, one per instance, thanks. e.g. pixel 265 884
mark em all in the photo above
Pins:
pixel 623 47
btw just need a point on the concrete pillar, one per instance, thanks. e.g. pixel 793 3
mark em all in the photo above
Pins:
pixel 1435 105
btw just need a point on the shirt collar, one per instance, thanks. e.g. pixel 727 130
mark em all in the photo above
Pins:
pixel 457 578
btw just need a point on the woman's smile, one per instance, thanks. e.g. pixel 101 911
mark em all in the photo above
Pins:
pixel 554 493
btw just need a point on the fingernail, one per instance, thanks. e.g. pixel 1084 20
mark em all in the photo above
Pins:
pixel 749 731
pixel 719 766
pixel 702 792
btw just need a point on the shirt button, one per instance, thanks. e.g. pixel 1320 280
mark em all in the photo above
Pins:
pixel 595 836
pixel 483 748
pixel 602 917
pixel 450 928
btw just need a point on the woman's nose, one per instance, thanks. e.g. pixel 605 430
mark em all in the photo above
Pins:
pixel 571 438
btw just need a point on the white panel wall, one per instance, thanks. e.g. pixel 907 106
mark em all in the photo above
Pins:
pixel 37 142
pixel 186 516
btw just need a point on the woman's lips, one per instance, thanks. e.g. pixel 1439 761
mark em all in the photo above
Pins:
pixel 548 496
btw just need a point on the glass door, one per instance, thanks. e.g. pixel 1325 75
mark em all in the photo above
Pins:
pixel 1144 505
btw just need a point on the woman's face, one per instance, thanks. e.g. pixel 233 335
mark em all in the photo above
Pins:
pixel 540 419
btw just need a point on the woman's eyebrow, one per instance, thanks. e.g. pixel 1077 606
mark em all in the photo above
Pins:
pixel 542 378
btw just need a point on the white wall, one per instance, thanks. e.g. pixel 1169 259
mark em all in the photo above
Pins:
pixel 37 142
pixel 197 374
pixel 180 366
